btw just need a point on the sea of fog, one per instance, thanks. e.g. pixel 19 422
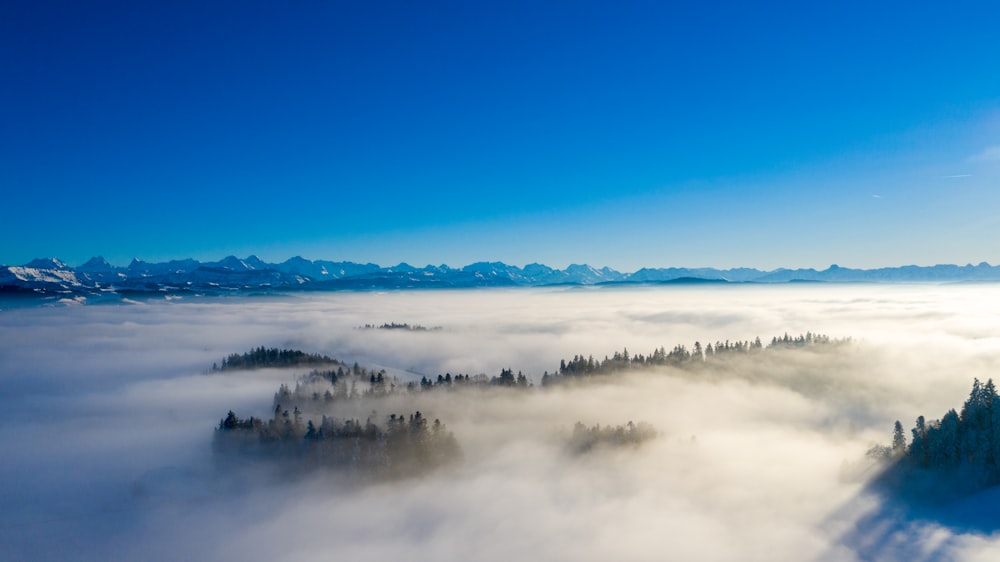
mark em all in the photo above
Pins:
pixel 107 414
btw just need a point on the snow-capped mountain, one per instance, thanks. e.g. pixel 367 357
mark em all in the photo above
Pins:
pixel 42 275
pixel 233 275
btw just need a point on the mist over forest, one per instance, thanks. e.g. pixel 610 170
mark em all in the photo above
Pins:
pixel 116 428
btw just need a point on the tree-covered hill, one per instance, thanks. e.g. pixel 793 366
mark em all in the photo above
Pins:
pixel 272 357
pixel 398 446
pixel 946 458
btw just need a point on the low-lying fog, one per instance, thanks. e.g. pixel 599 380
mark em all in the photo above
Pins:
pixel 107 413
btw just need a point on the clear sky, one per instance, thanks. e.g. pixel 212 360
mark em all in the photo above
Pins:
pixel 625 134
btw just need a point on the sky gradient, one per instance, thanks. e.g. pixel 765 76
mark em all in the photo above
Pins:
pixel 627 135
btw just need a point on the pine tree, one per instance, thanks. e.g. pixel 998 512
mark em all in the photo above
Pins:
pixel 898 440
pixel 918 446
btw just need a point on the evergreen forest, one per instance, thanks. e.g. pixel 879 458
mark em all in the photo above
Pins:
pixel 315 423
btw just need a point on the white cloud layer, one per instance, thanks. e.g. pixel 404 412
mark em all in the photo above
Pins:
pixel 106 419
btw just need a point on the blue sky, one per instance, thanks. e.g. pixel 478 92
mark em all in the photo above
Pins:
pixel 622 134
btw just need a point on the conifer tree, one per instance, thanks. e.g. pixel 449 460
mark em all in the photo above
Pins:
pixel 898 440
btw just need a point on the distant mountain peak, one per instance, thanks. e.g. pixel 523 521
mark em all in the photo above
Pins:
pixel 255 262
pixel 234 263
pixel 46 263
pixel 96 263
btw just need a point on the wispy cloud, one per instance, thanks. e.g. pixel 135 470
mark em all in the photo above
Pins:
pixel 989 154
pixel 956 176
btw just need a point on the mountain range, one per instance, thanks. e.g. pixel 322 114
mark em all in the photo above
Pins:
pixel 234 275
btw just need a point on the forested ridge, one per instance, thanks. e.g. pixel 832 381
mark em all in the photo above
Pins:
pixel 261 357
pixel 395 446
pixel 580 367
pixel 329 386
